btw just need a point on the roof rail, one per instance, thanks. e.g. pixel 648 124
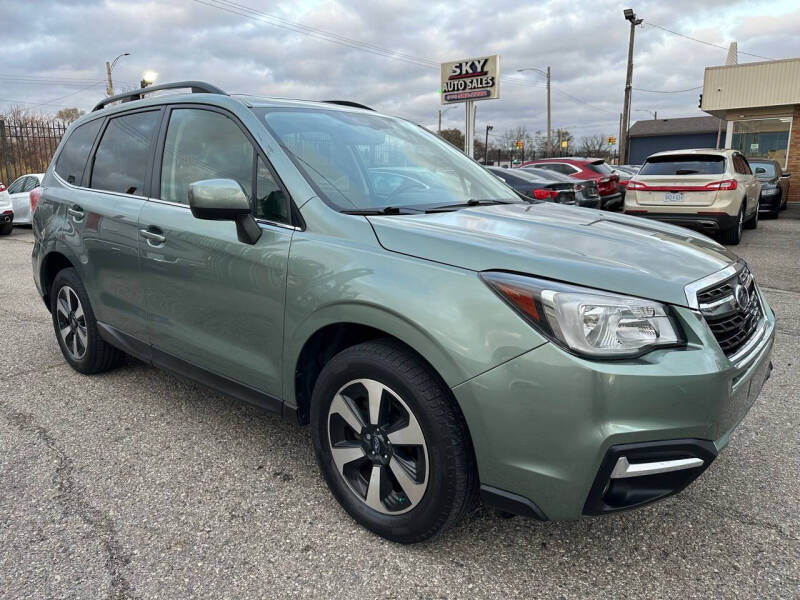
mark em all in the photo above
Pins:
pixel 197 87
pixel 348 103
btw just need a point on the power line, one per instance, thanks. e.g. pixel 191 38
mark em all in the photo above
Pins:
pixel 699 87
pixel 255 15
pixel 707 43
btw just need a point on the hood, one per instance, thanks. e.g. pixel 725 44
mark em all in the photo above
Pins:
pixel 586 247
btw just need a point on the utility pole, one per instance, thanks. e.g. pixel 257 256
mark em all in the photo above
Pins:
pixel 548 110
pixel 109 68
pixel 110 86
pixel 626 109
pixel 440 122
pixel 486 145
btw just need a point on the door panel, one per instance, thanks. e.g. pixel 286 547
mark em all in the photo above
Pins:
pixel 108 214
pixel 212 300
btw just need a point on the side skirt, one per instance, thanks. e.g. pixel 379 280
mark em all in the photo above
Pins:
pixel 168 362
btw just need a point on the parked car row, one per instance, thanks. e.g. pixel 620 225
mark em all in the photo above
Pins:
pixel 17 201
pixel 595 169
pixel 549 186
pixel 718 192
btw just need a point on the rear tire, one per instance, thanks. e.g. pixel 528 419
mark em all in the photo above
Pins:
pixel 418 425
pixel 752 222
pixel 732 236
pixel 76 327
pixel 5 228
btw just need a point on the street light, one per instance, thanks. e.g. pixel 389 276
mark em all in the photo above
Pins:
pixel 109 68
pixel 546 74
pixel 486 145
pixel 626 109
pixel 148 78
pixel 441 112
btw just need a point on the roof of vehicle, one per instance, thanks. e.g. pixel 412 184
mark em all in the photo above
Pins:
pixel 206 92
pixel 711 151
pixel 681 126
pixel 582 159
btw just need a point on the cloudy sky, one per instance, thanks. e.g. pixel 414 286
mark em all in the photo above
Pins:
pixel 384 53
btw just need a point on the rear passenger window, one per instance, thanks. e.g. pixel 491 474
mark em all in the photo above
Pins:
pixel 120 164
pixel 73 156
pixel 202 144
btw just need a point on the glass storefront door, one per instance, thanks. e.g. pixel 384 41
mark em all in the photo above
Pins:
pixel 763 138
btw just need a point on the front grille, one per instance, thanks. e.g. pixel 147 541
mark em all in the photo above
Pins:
pixel 732 322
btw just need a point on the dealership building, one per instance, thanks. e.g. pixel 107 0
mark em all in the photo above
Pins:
pixel 657 135
pixel 760 103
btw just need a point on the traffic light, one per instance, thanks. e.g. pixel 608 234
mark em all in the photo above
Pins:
pixel 519 144
pixel 700 102
pixel 612 140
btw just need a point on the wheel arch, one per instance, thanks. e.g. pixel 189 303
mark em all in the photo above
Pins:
pixel 321 338
pixel 52 263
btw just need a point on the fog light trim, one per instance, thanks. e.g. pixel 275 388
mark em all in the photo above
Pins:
pixel 624 468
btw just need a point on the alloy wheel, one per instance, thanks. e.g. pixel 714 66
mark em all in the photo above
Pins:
pixel 378 446
pixel 71 322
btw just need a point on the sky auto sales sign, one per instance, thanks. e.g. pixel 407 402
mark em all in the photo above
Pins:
pixel 471 79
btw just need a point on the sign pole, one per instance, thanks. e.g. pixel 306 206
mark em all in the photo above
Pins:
pixel 469 129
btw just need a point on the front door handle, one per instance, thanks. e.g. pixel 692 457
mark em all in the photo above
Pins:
pixel 75 212
pixel 153 238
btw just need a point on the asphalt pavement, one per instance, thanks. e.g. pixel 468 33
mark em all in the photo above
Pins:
pixel 140 484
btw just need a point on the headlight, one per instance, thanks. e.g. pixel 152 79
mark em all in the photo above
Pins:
pixel 589 322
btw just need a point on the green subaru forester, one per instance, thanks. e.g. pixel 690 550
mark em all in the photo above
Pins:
pixel 446 339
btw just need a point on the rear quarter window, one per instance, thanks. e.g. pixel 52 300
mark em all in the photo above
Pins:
pixel 684 165
pixel 72 159
pixel 600 168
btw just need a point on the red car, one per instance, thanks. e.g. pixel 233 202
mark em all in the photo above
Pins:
pixel 587 168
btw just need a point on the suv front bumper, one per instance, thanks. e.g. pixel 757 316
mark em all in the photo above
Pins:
pixel 544 425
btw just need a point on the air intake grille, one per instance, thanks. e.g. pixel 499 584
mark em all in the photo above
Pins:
pixel 732 310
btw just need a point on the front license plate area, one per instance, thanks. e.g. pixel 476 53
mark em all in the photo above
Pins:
pixel 673 197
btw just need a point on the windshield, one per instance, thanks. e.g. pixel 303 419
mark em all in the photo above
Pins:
pixel 768 169
pixel 359 161
pixel 690 164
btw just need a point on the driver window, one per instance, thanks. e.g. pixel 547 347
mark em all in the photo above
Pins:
pixel 202 144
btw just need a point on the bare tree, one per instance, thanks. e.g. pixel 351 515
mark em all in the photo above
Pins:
pixel 595 145
pixel 68 115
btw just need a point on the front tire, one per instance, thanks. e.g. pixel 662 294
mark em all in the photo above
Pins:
pixel 76 327
pixel 391 443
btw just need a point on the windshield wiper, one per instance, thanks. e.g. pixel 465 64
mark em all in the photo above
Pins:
pixel 386 210
pixel 468 203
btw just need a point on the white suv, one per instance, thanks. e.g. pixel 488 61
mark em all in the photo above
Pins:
pixel 714 191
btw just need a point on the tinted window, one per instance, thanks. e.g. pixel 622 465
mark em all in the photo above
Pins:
pixel 72 158
pixel 30 183
pixel 202 144
pixel 559 168
pixel 691 164
pixel 768 167
pixel 120 163
pixel 600 167
pixel 18 186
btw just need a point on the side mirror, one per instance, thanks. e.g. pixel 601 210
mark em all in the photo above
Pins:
pixel 224 200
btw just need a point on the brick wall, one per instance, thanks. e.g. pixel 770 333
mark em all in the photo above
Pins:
pixel 793 164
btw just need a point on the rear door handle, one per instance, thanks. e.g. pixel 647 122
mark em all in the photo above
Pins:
pixel 76 212
pixel 153 238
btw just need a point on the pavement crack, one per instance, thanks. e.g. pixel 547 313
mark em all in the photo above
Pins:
pixel 71 497
pixel 744 519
